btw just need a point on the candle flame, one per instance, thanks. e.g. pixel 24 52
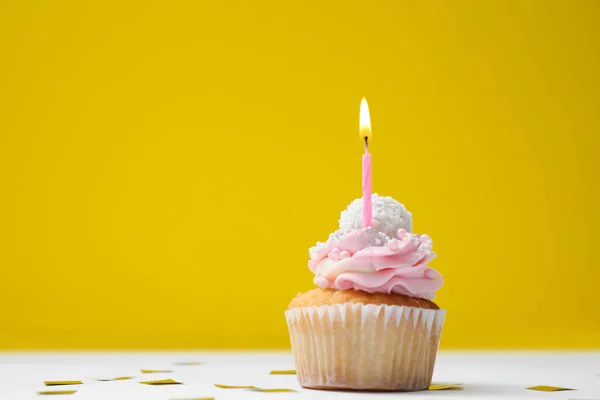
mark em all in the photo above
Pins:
pixel 365 120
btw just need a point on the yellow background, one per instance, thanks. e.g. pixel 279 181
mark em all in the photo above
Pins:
pixel 165 166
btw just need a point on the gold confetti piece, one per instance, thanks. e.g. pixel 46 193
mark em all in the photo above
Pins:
pixel 548 388
pixel 155 371
pixel 234 386
pixel 273 390
pixel 283 372
pixel 57 392
pixel 59 383
pixel 161 382
pixel 445 386
pixel 188 363
pixel 120 378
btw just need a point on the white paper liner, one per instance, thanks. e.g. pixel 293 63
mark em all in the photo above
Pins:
pixel 365 347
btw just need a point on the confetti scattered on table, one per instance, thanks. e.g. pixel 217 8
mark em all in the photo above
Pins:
pixel 161 382
pixel 50 392
pixel 187 363
pixel 283 372
pixel 445 386
pixel 155 371
pixel 59 383
pixel 234 386
pixel 544 388
pixel 120 378
pixel 273 390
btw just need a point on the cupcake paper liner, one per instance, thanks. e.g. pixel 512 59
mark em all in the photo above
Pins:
pixel 364 347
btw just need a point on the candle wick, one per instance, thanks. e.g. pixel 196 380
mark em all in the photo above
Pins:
pixel 367 144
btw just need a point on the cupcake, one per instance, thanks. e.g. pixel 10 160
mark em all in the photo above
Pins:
pixel 371 324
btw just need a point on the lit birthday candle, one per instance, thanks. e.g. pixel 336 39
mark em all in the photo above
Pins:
pixel 365 133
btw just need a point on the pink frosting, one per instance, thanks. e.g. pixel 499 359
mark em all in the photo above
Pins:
pixel 364 259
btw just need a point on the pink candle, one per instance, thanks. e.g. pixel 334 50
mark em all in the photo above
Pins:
pixel 366 187
pixel 365 134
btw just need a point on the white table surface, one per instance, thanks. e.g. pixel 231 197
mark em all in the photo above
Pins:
pixel 489 375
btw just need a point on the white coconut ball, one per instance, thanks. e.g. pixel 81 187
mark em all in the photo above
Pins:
pixel 388 215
